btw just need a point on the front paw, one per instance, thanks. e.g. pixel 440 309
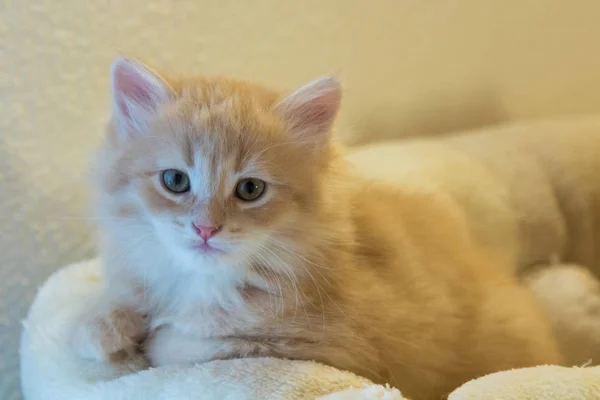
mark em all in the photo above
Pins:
pixel 114 336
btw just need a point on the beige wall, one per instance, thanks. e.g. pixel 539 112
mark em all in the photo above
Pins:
pixel 409 66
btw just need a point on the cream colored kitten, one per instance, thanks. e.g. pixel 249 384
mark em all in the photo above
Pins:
pixel 233 226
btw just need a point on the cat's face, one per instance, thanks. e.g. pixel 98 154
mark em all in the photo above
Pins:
pixel 221 172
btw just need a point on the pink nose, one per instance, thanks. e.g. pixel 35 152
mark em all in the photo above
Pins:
pixel 206 232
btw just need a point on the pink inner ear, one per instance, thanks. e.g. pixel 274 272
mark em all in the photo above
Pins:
pixel 313 107
pixel 318 112
pixel 123 109
pixel 131 86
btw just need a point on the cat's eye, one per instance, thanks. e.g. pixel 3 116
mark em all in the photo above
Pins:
pixel 175 181
pixel 250 189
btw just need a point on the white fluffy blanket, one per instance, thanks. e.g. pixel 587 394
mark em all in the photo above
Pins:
pixel 49 370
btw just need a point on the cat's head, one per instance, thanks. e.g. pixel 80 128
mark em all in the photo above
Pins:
pixel 215 170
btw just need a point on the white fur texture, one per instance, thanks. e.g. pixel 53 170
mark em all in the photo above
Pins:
pixel 49 369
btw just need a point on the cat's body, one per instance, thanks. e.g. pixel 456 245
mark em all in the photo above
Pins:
pixel 410 303
pixel 325 265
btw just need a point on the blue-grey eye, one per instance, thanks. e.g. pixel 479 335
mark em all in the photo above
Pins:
pixel 250 189
pixel 175 181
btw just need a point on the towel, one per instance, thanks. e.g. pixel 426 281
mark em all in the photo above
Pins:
pixel 543 383
pixel 50 370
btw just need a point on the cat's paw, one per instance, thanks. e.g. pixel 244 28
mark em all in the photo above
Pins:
pixel 113 336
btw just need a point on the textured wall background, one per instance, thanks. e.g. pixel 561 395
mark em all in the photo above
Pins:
pixel 409 66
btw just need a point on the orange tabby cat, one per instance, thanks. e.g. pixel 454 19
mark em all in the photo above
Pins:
pixel 233 226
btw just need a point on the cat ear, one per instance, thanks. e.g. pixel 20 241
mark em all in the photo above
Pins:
pixel 137 92
pixel 311 110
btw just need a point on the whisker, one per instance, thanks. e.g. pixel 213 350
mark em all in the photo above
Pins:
pixel 293 253
pixel 286 248
pixel 283 247
pixel 316 285
pixel 289 272
pixel 271 281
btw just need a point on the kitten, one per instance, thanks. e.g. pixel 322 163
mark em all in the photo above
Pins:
pixel 233 226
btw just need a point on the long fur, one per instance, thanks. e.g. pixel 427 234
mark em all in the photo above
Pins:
pixel 327 265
